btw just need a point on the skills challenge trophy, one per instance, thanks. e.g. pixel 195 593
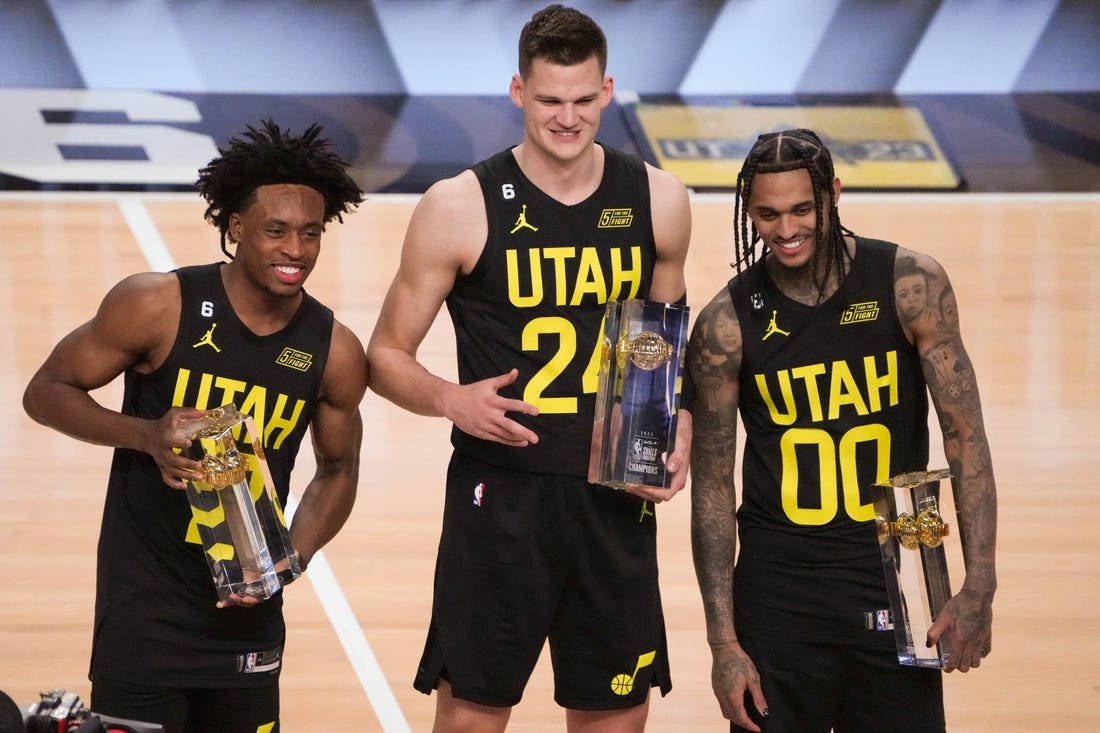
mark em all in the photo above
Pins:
pixel 634 429
pixel 911 536
pixel 241 525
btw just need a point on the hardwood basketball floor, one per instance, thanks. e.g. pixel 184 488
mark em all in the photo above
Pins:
pixel 1027 273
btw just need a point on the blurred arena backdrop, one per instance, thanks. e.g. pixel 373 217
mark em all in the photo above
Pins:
pixel 969 95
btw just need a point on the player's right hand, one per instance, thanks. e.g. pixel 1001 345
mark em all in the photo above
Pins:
pixel 166 440
pixel 732 676
pixel 478 410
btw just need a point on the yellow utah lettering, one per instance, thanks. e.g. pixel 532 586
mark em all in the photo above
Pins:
pixel 781 397
pixel 526 280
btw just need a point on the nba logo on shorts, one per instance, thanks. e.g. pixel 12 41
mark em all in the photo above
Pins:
pixel 882 621
pixel 249 661
pixel 479 491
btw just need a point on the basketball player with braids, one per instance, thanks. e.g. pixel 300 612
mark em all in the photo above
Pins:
pixel 164 649
pixel 525 248
pixel 832 383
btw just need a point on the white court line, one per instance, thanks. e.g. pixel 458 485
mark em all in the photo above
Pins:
pixel 146 234
pixel 320 573
pixel 353 640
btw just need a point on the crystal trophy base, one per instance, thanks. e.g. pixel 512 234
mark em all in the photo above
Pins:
pixel 913 541
pixel 634 429
pixel 240 523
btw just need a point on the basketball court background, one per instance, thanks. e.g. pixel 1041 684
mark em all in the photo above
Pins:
pixel 107 109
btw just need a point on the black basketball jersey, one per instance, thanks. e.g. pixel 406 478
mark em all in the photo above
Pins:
pixel 833 399
pixel 535 301
pixel 156 620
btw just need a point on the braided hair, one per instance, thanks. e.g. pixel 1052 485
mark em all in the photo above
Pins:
pixel 563 36
pixel 779 152
pixel 268 155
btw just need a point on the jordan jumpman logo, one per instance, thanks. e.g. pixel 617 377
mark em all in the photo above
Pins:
pixel 521 222
pixel 208 339
pixel 774 329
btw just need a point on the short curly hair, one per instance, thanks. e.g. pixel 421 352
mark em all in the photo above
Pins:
pixel 267 155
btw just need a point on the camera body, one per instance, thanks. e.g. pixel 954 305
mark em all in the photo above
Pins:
pixel 55 712
pixel 59 711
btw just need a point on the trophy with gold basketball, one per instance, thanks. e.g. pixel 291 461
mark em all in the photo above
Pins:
pixel 634 430
pixel 913 540
pixel 237 513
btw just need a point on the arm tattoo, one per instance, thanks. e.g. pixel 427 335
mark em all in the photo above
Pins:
pixel 714 355
pixel 953 386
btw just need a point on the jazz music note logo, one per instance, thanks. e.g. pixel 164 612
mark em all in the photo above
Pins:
pixel 623 684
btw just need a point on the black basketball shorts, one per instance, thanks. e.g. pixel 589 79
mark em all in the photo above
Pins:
pixel 226 710
pixel 818 688
pixel 528 557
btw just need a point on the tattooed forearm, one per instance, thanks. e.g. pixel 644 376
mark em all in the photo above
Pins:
pixel 714 354
pixel 929 310
pixel 713 530
pixel 954 389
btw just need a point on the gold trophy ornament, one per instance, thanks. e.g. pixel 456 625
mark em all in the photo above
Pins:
pixel 646 351
pixel 240 522
pixel 638 395
pixel 912 534
pixel 925 528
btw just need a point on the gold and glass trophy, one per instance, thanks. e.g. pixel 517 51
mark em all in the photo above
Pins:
pixel 913 540
pixel 634 429
pixel 240 523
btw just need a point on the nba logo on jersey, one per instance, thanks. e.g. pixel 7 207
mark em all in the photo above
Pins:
pixel 479 491
pixel 882 621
